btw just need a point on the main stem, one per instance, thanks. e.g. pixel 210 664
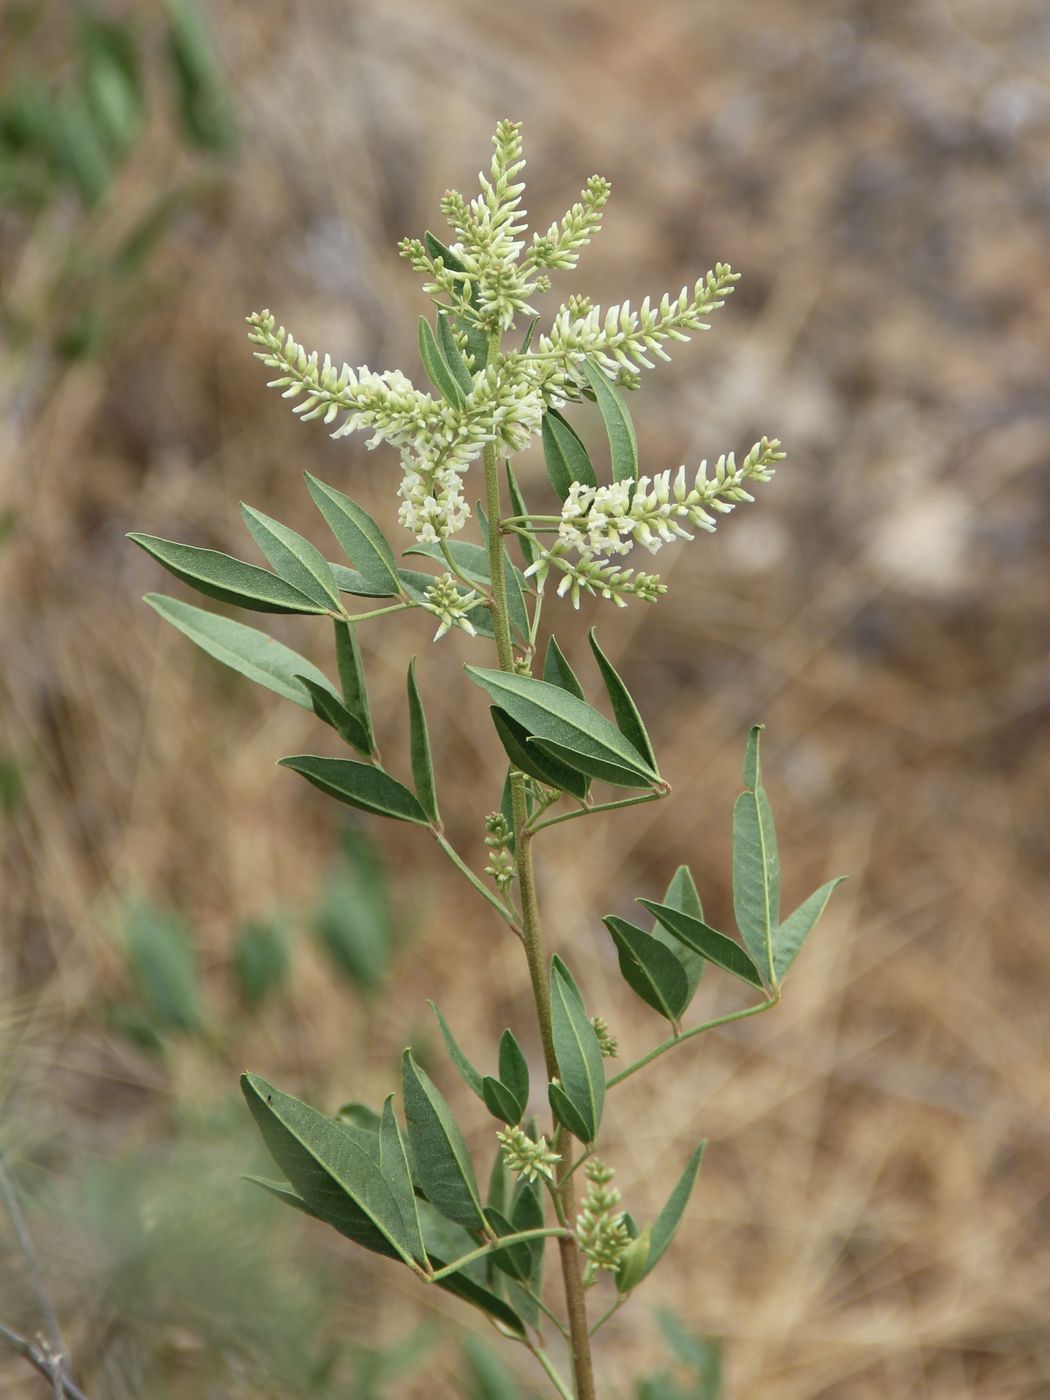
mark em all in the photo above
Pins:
pixel 532 938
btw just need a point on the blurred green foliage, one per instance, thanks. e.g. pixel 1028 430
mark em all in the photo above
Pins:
pixel 83 100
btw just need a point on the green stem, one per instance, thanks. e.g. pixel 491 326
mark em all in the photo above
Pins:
pixel 608 1313
pixel 674 1040
pixel 472 584
pixel 548 1365
pixel 457 860
pixel 535 954
pixel 379 612
pixel 601 807
pixel 548 1313
pixel 521 1238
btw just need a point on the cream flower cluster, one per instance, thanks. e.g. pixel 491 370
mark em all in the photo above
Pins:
pixel 450 605
pixel 600 522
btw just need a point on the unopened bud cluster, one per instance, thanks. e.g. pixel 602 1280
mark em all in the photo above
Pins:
pixel 600 1228
pixel 501 863
pixel 607 1042
pixel 451 604
pixel 526 1157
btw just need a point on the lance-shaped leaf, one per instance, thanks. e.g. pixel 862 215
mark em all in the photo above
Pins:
pixel 516 1259
pixel 393 1163
pixel 357 533
pixel 244 649
pixel 331 709
pixel 498 1194
pixel 227 579
pixel 531 760
pixel 352 582
pixel 358 785
pixel 628 720
pixel 795 929
pixel 352 682
pixel 557 671
pixel 336 1179
pixel 513 1068
pixel 517 500
pixel 623 445
pixel 682 894
pixel 756 865
pixel 500 1102
pixel 567 727
pixel 473 561
pixel 422 765
pixel 461 1285
pixel 706 941
pixel 444 1171
pixel 468 1073
pixel 477 340
pixel 295 559
pixel 343 1215
pixel 580 1067
pixel 451 353
pixel 438 371
pixel 666 1223
pixel 508 1096
pixel 564 455
pixel 650 969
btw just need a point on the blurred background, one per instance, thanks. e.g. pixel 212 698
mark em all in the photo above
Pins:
pixel 872 1219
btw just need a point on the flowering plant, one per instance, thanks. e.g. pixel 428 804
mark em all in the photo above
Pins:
pixel 411 1192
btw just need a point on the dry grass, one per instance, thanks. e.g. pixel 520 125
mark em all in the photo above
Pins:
pixel 872 1219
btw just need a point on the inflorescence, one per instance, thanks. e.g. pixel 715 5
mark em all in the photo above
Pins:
pixel 484 282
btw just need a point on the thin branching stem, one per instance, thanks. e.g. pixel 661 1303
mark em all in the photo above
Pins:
pixel 532 938
pixel 490 1248
pixel 674 1040
pixel 586 811
pixel 52 1330
pixel 505 913
pixel 48 1366
pixel 560 1385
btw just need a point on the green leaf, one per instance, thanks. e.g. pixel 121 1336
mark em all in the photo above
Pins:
pixel 516 1259
pixel 514 1069
pixel 163 968
pixel 332 710
pixel 526 1213
pixel 500 1102
pixel 477 340
pixel 583 737
pixel 468 1073
pixel 566 1112
pixel 451 353
pixel 756 865
pixel 528 759
pixel 579 1056
pixel 499 1183
pixel 650 969
pixel 557 671
pixel 244 649
pixel 795 929
pixel 335 1178
pixel 352 682
pixel 227 579
pixel 354 583
pixel 623 445
pixel 422 765
pixel 564 454
pixel 293 558
pixel 682 894
pixel 666 1223
pixel 633 1262
pixel 625 711
pixel 470 1291
pixel 438 371
pixel 393 1163
pixel 357 533
pixel 708 942
pixel 260 960
pixel 358 785
pixel 352 919
pixel 517 500
pixel 443 1167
